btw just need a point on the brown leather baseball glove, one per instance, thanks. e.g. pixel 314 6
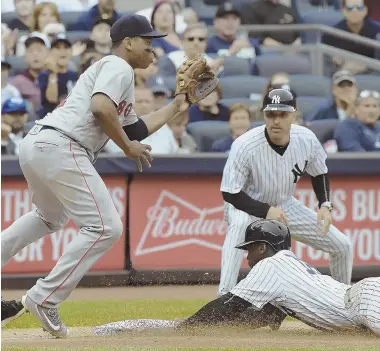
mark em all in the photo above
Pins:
pixel 195 79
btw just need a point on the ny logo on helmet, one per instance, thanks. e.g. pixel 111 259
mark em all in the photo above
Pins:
pixel 276 99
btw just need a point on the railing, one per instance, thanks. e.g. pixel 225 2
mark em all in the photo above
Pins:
pixel 318 49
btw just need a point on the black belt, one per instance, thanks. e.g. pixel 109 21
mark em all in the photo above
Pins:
pixel 52 128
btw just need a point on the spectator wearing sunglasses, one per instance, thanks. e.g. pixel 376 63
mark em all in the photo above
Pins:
pixel 357 22
pixel 194 41
pixel 363 132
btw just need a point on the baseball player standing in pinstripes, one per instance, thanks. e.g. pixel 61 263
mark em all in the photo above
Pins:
pixel 279 280
pixel 259 180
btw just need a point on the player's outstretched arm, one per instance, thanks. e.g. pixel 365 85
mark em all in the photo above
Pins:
pixel 231 309
pixel 155 120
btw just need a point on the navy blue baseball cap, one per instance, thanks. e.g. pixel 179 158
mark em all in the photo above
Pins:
pixel 14 105
pixel 133 25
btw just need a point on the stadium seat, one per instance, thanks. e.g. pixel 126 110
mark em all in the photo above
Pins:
pixel 18 64
pixel 368 82
pixel 69 18
pixel 234 66
pixel 268 65
pixel 229 102
pixel 77 35
pixel 323 129
pixel 329 18
pixel 7 17
pixel 308 104
pixel 205 12
pixel 257 124
pixel 242 86
pixel 310 85
pixel 206 132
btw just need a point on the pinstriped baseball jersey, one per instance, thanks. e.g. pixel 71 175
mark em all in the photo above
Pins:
pixel 112 76
pixel 254 167
pixel 287 282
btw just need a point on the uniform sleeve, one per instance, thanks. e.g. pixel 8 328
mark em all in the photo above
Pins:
pixel 112 80
pixel 261 286
pixel 236 170
pixel 317 161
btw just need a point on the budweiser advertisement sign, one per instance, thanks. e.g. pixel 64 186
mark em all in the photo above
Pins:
pixel 178 222
pixel 42 255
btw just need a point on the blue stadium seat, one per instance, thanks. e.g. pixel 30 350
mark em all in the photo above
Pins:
pixel 206 132
pixel 234 66
pixel 78 35
pixel 205 12
pixel 308 104
pixel 242 86
pixel 323 129
pixel 229 102
pixel 368 82
pixel 18 64
pixel 69 18
pixel 329 18
pixel 310 85
pixel 7 17
pixel 268 65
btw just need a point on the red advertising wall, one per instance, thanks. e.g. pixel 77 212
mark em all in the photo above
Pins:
pixel 42 255
pixel 177 222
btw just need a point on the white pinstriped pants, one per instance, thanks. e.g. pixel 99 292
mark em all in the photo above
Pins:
pixel 303 227
pixel 363 303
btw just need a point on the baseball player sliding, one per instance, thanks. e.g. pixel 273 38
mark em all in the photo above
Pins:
pixel 57 159
pixel 278 280
pixel 259 179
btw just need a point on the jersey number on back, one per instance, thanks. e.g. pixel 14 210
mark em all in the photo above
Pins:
pixel 309 269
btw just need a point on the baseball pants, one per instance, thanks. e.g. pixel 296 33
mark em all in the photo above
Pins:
pixel 303 227
pixel 63 184
pixel 363 303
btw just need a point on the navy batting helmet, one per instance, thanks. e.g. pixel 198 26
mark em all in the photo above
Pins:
pixel 269 231
pixel 279 100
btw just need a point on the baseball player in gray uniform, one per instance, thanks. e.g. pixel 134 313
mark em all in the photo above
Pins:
pixel 279 279
pixel 57 159
pixel 259 179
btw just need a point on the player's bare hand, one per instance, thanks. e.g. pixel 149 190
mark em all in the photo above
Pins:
pixel 140 153
pixel 181 102
pixel 277 214
pixel 324 215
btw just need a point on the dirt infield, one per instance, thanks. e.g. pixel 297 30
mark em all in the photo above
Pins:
pixel 291 334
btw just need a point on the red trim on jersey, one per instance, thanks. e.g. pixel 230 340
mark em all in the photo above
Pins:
pixel 101 219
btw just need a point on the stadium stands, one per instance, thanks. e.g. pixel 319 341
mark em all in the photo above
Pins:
pixel 268 65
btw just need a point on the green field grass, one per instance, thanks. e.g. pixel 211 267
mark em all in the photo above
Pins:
pixel 92 313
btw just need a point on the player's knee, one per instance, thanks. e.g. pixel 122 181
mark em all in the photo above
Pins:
pixel 345 246
pixel 113 228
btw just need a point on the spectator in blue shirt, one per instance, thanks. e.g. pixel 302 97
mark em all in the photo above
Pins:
pixel 342 105
pixel 163 21
pixel 239 122
pixel 104 9
pixel 363 132
pixel 209 108
pixel 227 41
pixel 357 22
pixel 57 81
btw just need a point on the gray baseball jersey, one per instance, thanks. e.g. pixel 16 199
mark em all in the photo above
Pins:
pixel 291 284
pixel 112 76
pixel 58 166
pixel 258 170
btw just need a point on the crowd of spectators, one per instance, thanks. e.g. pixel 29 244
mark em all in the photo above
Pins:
pixel 42 59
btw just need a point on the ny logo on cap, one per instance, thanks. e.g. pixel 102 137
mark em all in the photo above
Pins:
pixel 276 99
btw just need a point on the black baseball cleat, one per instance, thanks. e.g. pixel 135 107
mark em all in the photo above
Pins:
pixel 11 310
